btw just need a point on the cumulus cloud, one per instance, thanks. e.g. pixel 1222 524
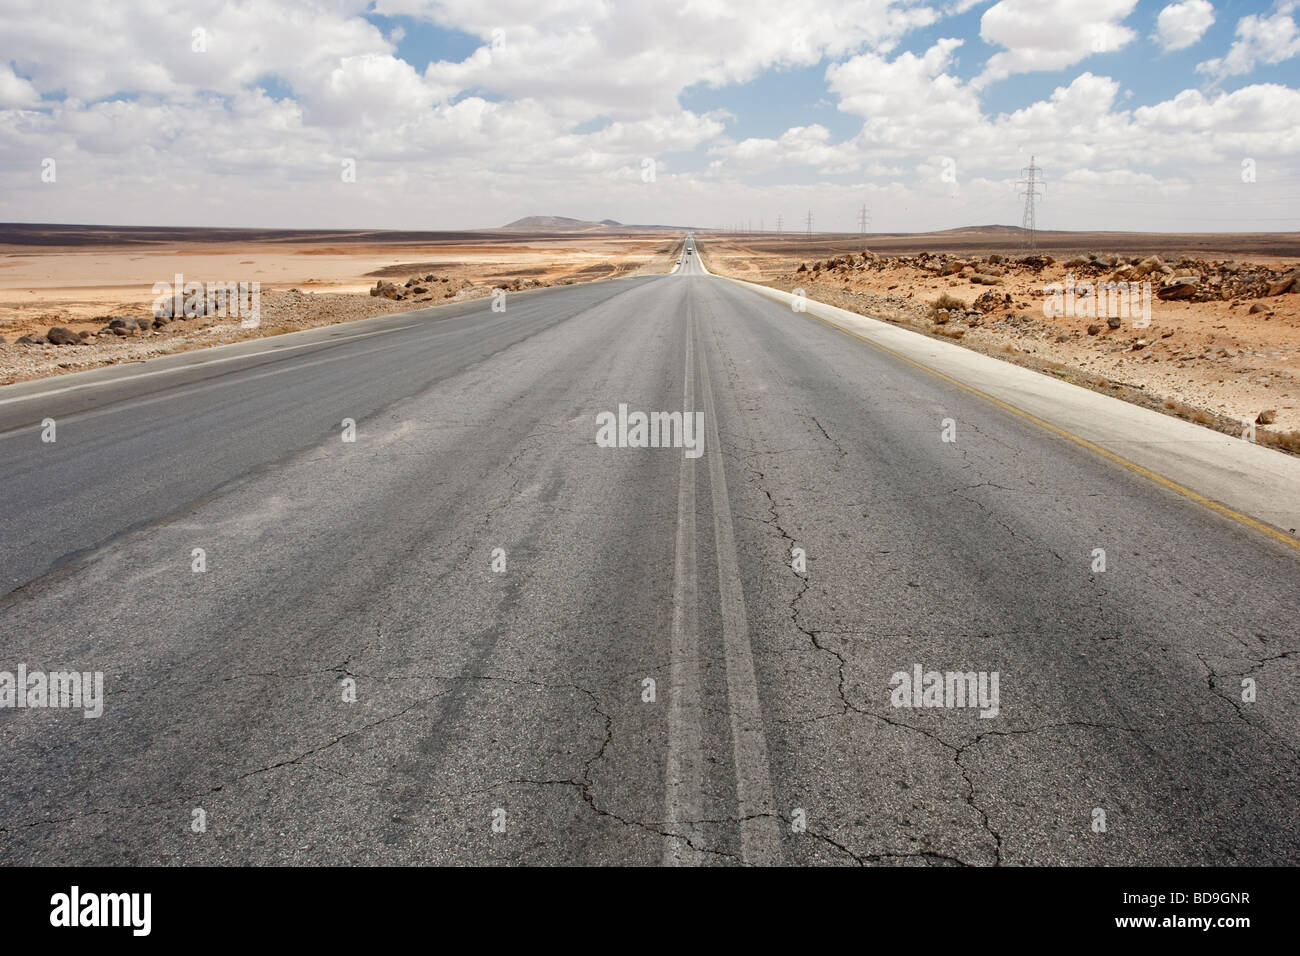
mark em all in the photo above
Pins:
pixel 1048 35
pixel 1179 25
pixel 1259 39
pixel 909 100
pixel 15 91
pixel 621 59
pixel 562 99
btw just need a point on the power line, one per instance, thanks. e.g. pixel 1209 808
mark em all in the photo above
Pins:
pixel 809 225
pixel 1029 220
pixel 864 219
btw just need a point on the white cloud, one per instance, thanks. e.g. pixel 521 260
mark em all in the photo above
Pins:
pixel 1049 35
pixel 147 130
pixel 621 59
pixel 808 146
pixel 1259 39
pixel 15 91
pixel 1179 25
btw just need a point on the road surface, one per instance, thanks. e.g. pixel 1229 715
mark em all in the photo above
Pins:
pixel 474 635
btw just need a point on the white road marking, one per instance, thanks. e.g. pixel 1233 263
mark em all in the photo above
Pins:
pixel 685 772
pixel 193 365
pixel 760 831
pixel 154 398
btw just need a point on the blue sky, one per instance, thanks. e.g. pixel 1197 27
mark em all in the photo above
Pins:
pixel 1145 115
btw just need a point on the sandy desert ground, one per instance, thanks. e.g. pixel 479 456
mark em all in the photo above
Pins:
pixel 1228 353
pixel 83 279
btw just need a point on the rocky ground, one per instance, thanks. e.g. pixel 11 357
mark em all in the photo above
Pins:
pixel 1222 346
pixel 62 337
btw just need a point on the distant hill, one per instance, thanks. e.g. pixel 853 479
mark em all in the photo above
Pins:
pixel 558 224
pixel 553 224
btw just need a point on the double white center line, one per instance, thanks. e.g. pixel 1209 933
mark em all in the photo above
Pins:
pixel 760 831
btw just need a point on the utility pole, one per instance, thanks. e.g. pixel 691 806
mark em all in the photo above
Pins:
pixel 809 222
pixel 1031 182
pixel 864 219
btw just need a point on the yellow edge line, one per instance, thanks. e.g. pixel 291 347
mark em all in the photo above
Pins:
pixel 1056 429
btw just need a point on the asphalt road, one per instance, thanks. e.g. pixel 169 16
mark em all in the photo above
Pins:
pixel 504 713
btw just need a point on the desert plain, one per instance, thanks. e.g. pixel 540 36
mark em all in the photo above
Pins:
pixel 1221 349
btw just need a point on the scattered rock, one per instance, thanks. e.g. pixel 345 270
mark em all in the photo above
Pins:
pixel 62 336
pixel 1094 329
pixel 990 301
pixel 1180 288
pixel 1114 322
pixel 1259 307
pixel 1287 283
pixel 30 340
pixel 1266 417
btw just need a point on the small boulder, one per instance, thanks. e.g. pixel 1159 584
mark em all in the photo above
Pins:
pixel 1266 417
pixel 1180 288
pixel 30 340
pixel 62 336
pixel 1288 283
pixel 1114 322
pixel 1094 329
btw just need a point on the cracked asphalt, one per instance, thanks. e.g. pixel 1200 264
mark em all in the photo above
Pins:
pixel 520 697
